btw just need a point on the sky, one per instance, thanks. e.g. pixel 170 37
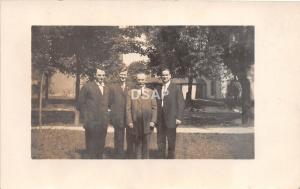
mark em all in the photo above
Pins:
pixel 132 57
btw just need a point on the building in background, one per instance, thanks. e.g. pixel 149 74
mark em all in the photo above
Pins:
pixel 202 88
pixel 63 86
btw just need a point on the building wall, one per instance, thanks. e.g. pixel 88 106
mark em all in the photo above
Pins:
pixel 219 93
pixel 218 87
pixel 62 86
pixel 185 90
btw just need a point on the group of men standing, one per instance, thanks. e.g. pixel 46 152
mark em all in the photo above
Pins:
pixel 135 112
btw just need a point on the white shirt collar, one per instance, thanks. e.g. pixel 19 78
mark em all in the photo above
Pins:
pixel 100 84
pixel 167 84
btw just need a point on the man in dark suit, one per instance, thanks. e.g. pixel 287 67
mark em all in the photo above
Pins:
pixel 117 96
pixel 141 111
pixel 170 114
pixel 93 106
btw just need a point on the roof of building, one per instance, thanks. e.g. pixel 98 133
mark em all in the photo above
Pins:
pixel 182 81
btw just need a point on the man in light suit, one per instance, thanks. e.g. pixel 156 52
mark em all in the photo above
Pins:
pixel 117 96
pixel 170 115
pixel 93 107
pixel 141 110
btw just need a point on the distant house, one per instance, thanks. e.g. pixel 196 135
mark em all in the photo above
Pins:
pixel 61 85
pixel 202 88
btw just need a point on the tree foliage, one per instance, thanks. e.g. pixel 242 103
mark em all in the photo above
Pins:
pixel 91 47
pixel 138 66
pixel 183 49
pixel 192 51
pixel 79 50
pixel 42 51
pixel 237 43
pixel 188 51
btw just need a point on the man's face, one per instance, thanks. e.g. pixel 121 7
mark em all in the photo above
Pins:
pixel 165 76
pixel 100 75
pixel 141 79
pixel 123 76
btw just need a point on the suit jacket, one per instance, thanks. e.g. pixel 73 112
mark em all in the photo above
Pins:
pixel 93 105
pixel 141 111
pixel 117 101
pixel 173 106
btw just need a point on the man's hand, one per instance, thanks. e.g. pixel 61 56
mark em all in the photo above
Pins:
pixel 152 124
pixel 178 122
pixel 130 125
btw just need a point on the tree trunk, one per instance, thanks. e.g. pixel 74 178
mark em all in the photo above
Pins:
pixel 46 89
pixel 41 100
pixel 77 86
pixel 77 89
pixel 246 101
pixel 189 93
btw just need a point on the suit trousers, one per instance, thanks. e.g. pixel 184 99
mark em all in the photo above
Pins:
pixel 165 134
pixel 130 139
pixel 119 142
pixel 141 146
pixel 95 141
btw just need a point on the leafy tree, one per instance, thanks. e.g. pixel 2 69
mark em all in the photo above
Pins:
pixel 190 51
pixel 183 49
pixel 42 60
pixel 238 56
pixel 201 50
pixel 136 67
pixel 92 47
pixel 79 50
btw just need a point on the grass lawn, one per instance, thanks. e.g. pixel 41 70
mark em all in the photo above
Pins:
pixel 68 144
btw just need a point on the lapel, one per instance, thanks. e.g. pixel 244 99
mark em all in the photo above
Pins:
pixel 170 88
pixel 125 91
pixel 104 90
pixel 121 90
pixel 159 89
pixel 97 89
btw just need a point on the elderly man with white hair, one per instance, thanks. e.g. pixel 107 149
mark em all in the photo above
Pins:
pixel 141 111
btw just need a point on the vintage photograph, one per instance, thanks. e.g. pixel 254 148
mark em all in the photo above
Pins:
pixel 142 92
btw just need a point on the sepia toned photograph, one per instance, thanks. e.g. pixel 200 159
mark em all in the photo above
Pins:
pixel 142 92
pixel 149 94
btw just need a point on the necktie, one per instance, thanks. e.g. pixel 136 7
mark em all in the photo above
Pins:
pixel 141 92
pixel 163 90
pixel 101 87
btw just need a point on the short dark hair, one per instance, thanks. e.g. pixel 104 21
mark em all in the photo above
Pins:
pixel 166 69
pixel 100 67
pixel 140 72
pixel 123 69
pixel 92 72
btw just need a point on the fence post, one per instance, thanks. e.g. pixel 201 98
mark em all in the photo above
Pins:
pixel 77 115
